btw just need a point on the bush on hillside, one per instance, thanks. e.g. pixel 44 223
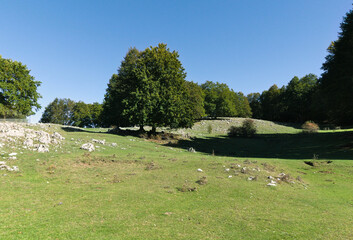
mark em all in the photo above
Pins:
pixel 247 129
pixel 310 127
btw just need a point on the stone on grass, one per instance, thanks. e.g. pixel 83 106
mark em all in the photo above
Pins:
pixel 88 146
pixel 199 170
pixel 272 183
pixel 191 149
pixel 99 141
pixel 41 148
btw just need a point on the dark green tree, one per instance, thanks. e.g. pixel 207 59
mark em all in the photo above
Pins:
pixel 272 103
pixel 149 89
pixel 242 105
pixel 18 90
pixel 196 100
pixel 336 82
pixel 81 116
pixel 255 105
pixel 219 100
pixel 298 98
pixel 59 111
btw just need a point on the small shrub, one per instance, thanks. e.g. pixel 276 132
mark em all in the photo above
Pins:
pixel 209 129
pixel 247 129
pixel 310 127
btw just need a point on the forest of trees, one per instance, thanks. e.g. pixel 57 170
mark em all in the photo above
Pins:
pixel 150 88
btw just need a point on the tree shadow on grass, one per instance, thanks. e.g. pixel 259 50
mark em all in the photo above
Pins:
pixel 337 145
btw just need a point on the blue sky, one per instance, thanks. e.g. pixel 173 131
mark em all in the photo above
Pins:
pixel 73 47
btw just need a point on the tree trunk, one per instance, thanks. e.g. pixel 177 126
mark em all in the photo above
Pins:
pixel 141 129
pixel 153 131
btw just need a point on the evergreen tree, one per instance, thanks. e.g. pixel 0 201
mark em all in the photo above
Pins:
pixel 337 80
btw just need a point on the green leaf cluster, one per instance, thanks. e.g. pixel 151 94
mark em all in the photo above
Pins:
pixel 336 83
pixel 220 101
pixel 150 89
pixel 68 112
pixel 18 90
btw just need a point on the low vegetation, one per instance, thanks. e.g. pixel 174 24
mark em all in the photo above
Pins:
pixel 247 129
pixel 134 188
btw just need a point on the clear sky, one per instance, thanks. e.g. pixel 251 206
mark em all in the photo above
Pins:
pixel 73 47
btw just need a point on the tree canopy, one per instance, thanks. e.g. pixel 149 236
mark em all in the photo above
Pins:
pixel 18 90
pixel 220 101
pixel 68 112
pixel 149 89
pixel 336 82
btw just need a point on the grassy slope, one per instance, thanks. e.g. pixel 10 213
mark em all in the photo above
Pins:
pixel 109 194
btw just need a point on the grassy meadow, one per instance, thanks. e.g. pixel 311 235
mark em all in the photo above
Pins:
pixel 141 189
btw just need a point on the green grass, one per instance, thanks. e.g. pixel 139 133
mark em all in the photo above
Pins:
pixel 116 193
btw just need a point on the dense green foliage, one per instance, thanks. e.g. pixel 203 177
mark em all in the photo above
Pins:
pixel 291 103
pixel 247 129
pixel 68 112
pixel 220 101
pixel 337 80
pixel 18 90
pixel 150 89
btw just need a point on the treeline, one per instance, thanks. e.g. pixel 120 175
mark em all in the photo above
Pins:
pixel 327 99
pixel 68 112
pixel 150 88
pixel 296 102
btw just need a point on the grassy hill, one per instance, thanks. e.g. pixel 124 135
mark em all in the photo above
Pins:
pixel 131 188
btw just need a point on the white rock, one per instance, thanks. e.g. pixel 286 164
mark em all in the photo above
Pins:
pixel 230 176
pixel 42 148
pixel 57 135
pixel 227 169
pixel 88 146
pixel 12 154
pixel 99 141
pixel 114 144
pixel 199 170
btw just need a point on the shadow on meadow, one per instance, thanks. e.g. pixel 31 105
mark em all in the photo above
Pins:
pixel 335 145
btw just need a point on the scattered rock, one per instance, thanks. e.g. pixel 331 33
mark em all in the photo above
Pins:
pixel 88 146
pixel 41 148
pixel 251 178
pixel 57 136
pixel 3 166
pixel 199 170
pixel 99 141
pixel 191 149
pixel 272 183
pixel 114 144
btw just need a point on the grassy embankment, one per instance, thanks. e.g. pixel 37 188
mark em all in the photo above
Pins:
pixel 144 190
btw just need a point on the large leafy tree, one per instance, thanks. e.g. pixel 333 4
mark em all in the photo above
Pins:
pixel 337 80
pixel 272 103
pixel 68 112
pixel 149 89
pixel 298 98
pixel 59 111
pixel 221 101
pixel 18 90
pixel 255 105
